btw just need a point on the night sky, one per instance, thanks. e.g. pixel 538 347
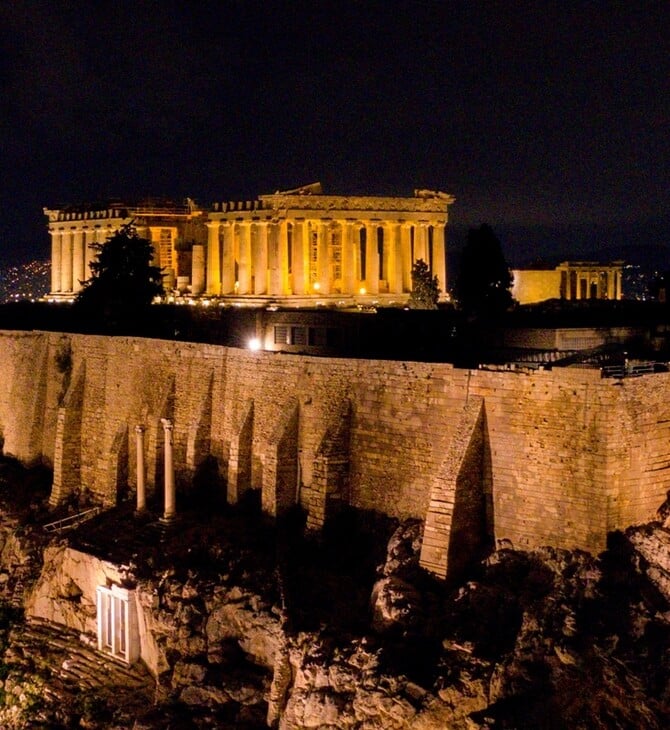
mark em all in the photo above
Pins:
pixel 549 121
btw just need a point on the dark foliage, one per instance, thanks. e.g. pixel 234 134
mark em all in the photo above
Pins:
pixel 484 283
pixel 658 287
pixel 425 291
pixel 123 281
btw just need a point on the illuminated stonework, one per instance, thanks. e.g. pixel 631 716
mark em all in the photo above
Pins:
pixel 174 230
pixel 570 280
pixel 298 245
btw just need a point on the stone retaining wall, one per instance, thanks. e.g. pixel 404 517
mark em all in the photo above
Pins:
pixel 572 456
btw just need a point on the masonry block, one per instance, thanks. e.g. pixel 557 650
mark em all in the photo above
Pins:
pixel 455 532
pixel 239 460
pixel 280 470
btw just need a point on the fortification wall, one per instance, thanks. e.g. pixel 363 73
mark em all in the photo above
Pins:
pixel 571 456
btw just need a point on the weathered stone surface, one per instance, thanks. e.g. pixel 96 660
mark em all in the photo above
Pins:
pixel 571 456
pixel 65 591
pixel 342 689
pixel 402 553
pixel 396 606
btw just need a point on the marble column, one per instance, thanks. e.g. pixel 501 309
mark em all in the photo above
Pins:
pixel 274 260
pixel 284 255
pixel 371 259
pixel 406 253
pixel 440 256
pixel 141 470
pixel 348 259
pixel 213 259
pixel 358 256
pixel 170 492
pixel 198 269
pixel 395 259
pixel 78 261
pixel 298 258
pixel 421 243
pixel 244 258
pixel 66 263
pixel 56 248
pixel 90 254
pixel 385 257
pixel 228 259
pixel 260 258
pixel 323 259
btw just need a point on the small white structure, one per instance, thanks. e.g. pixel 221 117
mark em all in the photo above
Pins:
pixel 118 633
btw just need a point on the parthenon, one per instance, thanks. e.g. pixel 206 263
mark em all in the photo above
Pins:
pixel 299 245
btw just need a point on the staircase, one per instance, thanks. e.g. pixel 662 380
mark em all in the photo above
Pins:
pixel 16 586
pixel 72 667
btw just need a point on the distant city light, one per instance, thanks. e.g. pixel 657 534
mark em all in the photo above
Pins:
pixel 26 282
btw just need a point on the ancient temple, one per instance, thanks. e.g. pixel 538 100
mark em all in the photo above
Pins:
pixel 173 229
pixel 571 280
pixel 299 246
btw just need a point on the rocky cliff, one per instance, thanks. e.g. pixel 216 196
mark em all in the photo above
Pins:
pixel 254 625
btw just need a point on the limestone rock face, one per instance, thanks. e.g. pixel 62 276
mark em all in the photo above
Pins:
pixel 396 606
pixel 532 635
pixel 242 616
pixel 342 688
pixel 404 547
pixel 65 590
pixel 20 559
pixel 652 545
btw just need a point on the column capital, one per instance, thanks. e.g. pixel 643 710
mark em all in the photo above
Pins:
pixel 167 424
pixel 140 429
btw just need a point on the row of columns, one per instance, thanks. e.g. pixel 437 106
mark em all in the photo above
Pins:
pixel 71 256
pixel 170 499
pixel 607 283
pixel 280 258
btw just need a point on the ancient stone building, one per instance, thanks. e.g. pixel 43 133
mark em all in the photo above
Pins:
pixel 571 280
pixel 301 243
pixel 298 246
pixel 175 230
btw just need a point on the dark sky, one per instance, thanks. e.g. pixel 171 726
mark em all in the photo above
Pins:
pixel 543 119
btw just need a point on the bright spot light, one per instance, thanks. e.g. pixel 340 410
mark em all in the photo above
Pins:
pixel 254 344
pixel 362 290
pixel 317 286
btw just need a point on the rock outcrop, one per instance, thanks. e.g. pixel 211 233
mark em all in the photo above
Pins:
pixel 238 634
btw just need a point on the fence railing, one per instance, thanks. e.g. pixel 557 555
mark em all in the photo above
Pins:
pixel 628 371
pixel 67 523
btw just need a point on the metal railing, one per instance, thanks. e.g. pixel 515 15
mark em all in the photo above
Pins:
pixel 628 371
pixel 71 521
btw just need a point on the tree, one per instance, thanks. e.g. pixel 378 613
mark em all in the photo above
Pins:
pixel 658 287
pixel 484 283
pixel 425 291
pixel 123 281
